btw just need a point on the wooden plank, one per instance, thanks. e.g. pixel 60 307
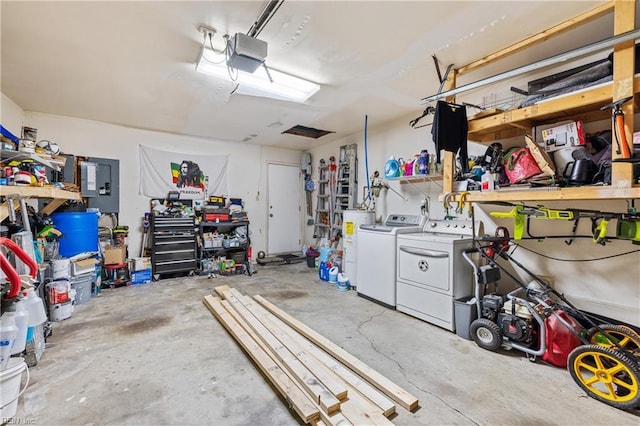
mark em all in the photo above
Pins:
pixel 584 18
pixel 319 392
pixel 220 290
pixel 391 389
pixel 52 206
pixel 39 192
pixel 355 410
pixel 336 387
pixel 299 401
pixel 385 406
pixel 623 84
pixel 333 419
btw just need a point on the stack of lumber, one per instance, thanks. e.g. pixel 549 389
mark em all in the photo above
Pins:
pixel 322 383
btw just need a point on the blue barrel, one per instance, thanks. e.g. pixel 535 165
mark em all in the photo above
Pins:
pixel 79 232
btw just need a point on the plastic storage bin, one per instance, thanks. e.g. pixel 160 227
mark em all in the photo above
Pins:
pixel 465 313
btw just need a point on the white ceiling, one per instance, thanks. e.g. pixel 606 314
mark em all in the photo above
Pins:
pixel 133 63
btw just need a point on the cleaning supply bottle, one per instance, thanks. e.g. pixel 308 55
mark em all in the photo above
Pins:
pixel 487 181
pixel 423 162
pixel 391 168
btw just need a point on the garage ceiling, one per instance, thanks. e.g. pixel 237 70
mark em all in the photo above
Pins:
pixel 133 63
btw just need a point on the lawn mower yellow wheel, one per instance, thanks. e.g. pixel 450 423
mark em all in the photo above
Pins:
pixel 606 374
pixel 613 336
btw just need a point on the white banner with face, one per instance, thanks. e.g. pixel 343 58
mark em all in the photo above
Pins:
pixel 195 177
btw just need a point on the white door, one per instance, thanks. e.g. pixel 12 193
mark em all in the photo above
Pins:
pixel 283 189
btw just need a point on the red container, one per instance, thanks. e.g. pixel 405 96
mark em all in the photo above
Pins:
pixel 560 340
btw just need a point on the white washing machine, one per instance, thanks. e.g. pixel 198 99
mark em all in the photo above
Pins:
pixel 352 219
pixel 431 272
pixel 376 256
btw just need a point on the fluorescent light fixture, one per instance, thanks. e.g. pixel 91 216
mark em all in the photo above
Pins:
pixel 283 87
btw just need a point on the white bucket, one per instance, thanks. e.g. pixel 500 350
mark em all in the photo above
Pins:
pixel 60 268
pixel 10 379
pixel 60 311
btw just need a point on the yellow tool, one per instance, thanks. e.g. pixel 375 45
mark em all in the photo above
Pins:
pixel 461 200
pixel 519 212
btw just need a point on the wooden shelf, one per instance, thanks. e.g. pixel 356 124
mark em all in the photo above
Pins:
pixel 546 194
pixel 580 105
pixel 39 192
pixel 57 195
pixel 583 105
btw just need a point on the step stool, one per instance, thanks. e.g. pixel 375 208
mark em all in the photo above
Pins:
pixel 115 275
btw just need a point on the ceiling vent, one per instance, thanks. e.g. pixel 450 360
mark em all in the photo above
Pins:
pixel 307 132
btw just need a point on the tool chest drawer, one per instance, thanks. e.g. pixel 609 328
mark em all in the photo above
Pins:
pixel 173 247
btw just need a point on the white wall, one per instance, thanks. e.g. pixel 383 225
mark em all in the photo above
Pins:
pixel 589 279
pixel 11 115
pixel 607 286
pixel 246 171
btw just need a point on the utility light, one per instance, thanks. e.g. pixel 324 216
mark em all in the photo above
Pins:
pixel 274 84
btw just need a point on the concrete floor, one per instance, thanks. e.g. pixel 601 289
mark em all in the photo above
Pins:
pixel 153 354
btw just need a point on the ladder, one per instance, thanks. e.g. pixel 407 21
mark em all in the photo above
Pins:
pixel 322 223
pixel 344 194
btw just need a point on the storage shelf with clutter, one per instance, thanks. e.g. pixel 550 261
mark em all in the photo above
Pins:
pixel 587 104
pixel 224 244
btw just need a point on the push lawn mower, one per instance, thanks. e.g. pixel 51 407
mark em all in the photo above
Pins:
pixel 603 359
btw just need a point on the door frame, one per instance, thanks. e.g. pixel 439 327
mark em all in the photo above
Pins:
pixel 267 204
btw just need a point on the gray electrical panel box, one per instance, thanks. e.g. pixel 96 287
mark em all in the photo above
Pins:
pixel 107 185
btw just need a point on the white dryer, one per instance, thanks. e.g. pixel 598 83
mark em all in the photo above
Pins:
pixel 376 256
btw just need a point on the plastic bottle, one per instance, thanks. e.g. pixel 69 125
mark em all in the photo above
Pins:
pixel 487 181
pixel 35 308
pixel 21 319
pixel 8 333
pixel 423 162
pixel 391 168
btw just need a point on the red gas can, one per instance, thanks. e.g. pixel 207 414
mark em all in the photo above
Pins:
pixel 560 340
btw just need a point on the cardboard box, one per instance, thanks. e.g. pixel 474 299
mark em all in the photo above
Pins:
pixel 83 266
pixel 114 255
pixel 139 263
pixel 563 136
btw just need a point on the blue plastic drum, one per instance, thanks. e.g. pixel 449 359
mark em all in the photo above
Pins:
pixel 79 232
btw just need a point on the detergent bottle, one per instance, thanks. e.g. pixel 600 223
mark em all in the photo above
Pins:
pixel 423 162
pixel 391 168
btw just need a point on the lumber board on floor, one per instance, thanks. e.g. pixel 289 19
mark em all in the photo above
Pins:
pixel 391 389
pixel 358 384
pixel 328 378
pixel 318 391
pixel 357 409
pixel 298 400
pixel 334 419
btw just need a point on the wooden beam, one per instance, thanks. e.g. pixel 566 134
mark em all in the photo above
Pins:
pixel 385 406
pixel 623 76
pixel 336 387
pixel 299 401
pixel 314 388
pixel 356 408
pixel 391 389
pixel 584 18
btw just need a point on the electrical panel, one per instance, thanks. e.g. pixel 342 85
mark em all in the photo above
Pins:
pixel 107 185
